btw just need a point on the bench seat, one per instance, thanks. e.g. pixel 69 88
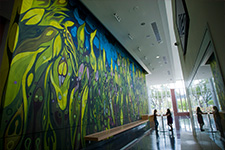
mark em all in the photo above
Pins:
pixel 99 136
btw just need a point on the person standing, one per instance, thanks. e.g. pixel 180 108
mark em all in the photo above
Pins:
pixel 217 119
pixel 200 118
pixel 155 120
pixel 169 119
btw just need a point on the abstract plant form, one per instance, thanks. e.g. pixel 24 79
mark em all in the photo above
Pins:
pixel 218 81
pixel 66 79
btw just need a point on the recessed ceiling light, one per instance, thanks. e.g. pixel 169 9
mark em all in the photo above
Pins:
pixel 157 56
pixel 135 8
pixel 117 17
pixel 164 59
pixel 143 23
pixel 130 37
pixel 139 49
pixel 148 36
pixel 168 72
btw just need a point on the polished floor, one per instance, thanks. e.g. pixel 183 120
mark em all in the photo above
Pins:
pixel 181 138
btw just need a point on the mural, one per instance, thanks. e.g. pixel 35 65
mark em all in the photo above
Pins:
pixel 67 78
pixel 218 81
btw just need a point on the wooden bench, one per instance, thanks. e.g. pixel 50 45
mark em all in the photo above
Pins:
pixel 99 136
pixel 147 116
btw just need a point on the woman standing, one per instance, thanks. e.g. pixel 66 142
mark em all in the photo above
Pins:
pixel 200 118
pixel 169 119
pixel 217 119
pixel 155 120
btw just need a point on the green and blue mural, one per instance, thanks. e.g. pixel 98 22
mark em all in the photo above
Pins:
pixel 68 77
pixel 219 84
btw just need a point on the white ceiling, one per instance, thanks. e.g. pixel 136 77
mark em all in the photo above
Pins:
pixel 134 13
pixel 136 17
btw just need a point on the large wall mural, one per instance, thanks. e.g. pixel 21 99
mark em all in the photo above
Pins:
pixel 219 84
pixel 67 78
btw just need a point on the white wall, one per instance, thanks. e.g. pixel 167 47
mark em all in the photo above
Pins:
pixel 201 13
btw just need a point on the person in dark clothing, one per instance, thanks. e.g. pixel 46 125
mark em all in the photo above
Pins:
pixel 200 118
pixel 217 119
pixel 169 119
pixel 155 120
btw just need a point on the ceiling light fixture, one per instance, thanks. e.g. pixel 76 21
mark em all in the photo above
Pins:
pixel 143 23
pixel 168 72
pixel 117 17
pixel 148 36
pixel 164 58
pixel 139 49
pixel 135 8
pixel 130 37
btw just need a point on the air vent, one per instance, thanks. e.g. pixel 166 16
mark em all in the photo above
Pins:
pixel 156 32
pixel 168 72
pixel 164 59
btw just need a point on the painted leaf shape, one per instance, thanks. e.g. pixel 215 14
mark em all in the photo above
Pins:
pixel 60 92
pixel 16 74
pixel 62 68
pixel 57 45
pixel 69 24
pixel 83 103
pixel 116 75
pixel 80 72
pixel 121 117
pixel 111 66
pixel 13 37
pixel 121 113
pixel 43 59
pixel 55 24
pixel 30 79
pixel 92 55
pixel 26 5
pixel 34 16
pixel 104 59
pixel 41 3
pixel 80 36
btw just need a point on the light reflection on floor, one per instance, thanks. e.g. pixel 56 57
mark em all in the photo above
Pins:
pixel 161 141
pixel 167 140
pixel 164 139
pixel 210 130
